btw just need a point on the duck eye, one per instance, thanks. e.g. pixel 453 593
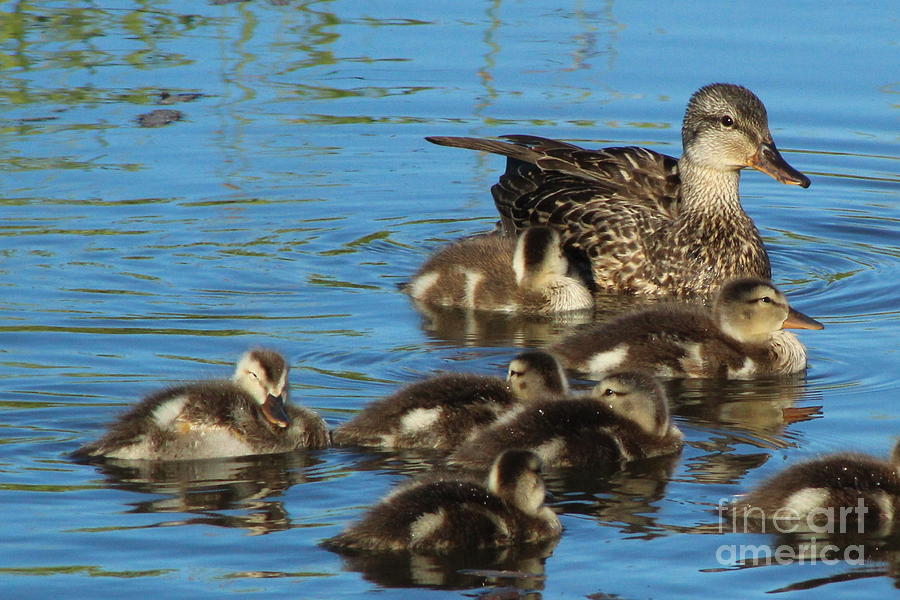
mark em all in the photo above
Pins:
pixel 765 299
pixel 609 392
pixel 727 121
pixel 515 373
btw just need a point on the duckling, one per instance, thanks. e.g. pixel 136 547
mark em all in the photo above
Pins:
pixel 646 222
pixel 442 411
pixel 443 513
pixel 211 419
pixel 844 493
pixel 491 272
pixel 625 418
pixel 742 337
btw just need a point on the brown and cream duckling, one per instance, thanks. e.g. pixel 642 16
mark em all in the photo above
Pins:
pixel 646 222
pixel 210 419
pixel 625 418
pixel 442 411
pixel 496 273
pixel 742 337
pixel 844 493
pixel 447 512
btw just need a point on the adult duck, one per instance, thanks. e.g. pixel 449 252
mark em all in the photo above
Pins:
pixel 644 222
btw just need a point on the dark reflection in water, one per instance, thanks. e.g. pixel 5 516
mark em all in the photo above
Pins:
pixel 624 498
pixel 520 568
pixel 209 487
pixel 863 557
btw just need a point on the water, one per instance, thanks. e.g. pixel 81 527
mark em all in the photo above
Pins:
pixel 297 192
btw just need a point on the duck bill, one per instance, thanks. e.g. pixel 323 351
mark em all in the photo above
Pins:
pixel 768 160
pixel 274 411
pixel 797 320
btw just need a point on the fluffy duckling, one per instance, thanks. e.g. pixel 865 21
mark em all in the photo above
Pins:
pixel 443 411
pixel 843 493
pixel 625 418
pixel 646 222
pixel 741 338
pixel 491 272
pixel 210 419
pixel 445 513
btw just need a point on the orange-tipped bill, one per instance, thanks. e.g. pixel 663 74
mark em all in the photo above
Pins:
pixel 797 320
pixel 274 411
pixel 768 160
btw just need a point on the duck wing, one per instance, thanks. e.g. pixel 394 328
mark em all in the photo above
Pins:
pixel 607 204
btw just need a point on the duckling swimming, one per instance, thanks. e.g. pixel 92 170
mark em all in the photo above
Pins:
pixel 843 493
pixel 625 418
pixel 491 272
pixel 646 222
pixel 741 338
pixel 210 419
pixel 442 411
pixel 447 512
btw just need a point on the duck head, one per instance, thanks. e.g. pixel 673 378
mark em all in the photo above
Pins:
pixel 263 374
pixel 538 257
pixel 751 310
pixel 536 375
pixel 516 477
pixel 726 128
pixel 637 396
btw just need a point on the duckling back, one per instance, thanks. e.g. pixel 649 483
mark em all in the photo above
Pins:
pixel 495 273
pixel 439 412
pixel 443 411
pixel 443 512
pixel 843 493
pixel 571 432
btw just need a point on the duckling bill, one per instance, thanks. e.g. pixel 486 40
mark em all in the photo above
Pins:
pixel 644 222
pixel 212 419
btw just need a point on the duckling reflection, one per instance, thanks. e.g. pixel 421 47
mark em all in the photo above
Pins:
pixel 230 492
pixel 626 418
pixel 626 498
pixel 213 419
pixel 519 567
pixel 462 327
pixel 496 273
pixel 444 410
pixel 741 338
pixel 443 513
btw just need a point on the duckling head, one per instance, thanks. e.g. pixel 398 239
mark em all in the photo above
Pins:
pixel 637 396
pixel 751 310
pixel 726 129
pixel 263 374
pixel 536 375
pixel 516 477
pixel 539 258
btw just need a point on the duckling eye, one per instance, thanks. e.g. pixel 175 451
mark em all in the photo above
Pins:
pixel 765 299
pixel 609 392
pixel 726 121
pixel 516 373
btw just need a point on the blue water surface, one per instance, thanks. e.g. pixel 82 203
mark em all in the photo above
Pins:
pixel 295 193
